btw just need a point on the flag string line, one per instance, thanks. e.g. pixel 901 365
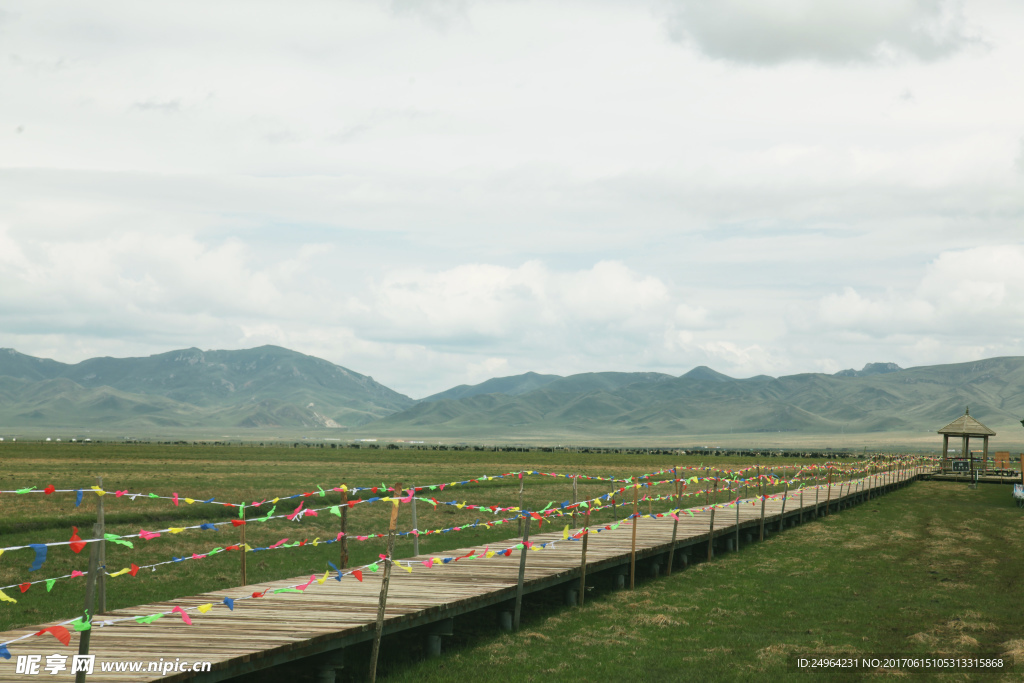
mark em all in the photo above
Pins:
pixel 543 515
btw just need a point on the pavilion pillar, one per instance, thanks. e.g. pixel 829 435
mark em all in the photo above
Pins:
pixel 945 452
pixel 984 457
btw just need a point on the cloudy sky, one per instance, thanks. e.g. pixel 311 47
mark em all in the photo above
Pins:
pixel 436 192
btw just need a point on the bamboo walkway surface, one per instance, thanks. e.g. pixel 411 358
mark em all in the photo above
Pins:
pixel 284 627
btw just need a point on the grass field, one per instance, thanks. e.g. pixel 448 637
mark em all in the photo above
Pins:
pixel 252 474
pixel 861 579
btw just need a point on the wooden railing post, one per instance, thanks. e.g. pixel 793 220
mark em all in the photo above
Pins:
pixel 242 529
pixel 383 600
pixel 520 532
pixel 343 547
pixel 675 522
pixel 782 515
pixel 415 536
pixel 828 493
pixel 522 573
pixel 575 500
pixel 583 557
pixel 632 552
pixel 761 487
pixel 90 593
pixel 101 577
pixel 711 531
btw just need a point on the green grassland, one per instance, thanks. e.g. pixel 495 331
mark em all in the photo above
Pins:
pixel 252 473
pixel 931 568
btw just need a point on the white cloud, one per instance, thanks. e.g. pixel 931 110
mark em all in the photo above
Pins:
pixel 971 299
pixel 776 31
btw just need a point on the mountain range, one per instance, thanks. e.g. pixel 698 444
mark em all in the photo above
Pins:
pixel 275 389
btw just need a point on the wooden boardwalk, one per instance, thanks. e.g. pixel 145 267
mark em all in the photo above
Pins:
pixel 321 622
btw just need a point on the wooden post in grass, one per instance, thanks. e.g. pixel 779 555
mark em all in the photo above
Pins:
pixel 761 487
pixel 522 574
pixel 101 576
pixel 90 592
pixel 711 530
pixel 632 552
pixel 828 493
pixel 241 509
pixel 675 522
pixel 520 532
pixel 415 536
pixel 383 601
pixel 343 547
pixel 583 557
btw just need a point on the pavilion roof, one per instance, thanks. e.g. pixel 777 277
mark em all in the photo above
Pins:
pixel 965 424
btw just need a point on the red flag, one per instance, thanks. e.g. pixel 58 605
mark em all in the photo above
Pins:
pixel 134 569
pixel 49 489
pixel 77 544
pixel 358 574
pixel 59 632
pixel 237 522
pixel 24 587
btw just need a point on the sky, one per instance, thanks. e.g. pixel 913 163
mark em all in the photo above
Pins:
pixel 436 192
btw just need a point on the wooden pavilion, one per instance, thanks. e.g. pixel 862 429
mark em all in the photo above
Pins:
pixel 964 427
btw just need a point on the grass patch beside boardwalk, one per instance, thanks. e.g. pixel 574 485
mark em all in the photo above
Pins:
pixel 933 568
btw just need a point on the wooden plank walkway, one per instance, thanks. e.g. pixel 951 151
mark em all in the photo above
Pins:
pixel 284 627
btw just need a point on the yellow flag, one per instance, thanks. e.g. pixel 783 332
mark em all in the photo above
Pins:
pixel 189 501
pixel 565 532
pixel 460 505
pixel 316 541
pixel 205 608
pixel 490 553
pixel 405 567
pixel 275 501
pixel 6 598
pixel 247 548
pixel 175 530
pixel 98 490
pixel 123 571
pixel 322 578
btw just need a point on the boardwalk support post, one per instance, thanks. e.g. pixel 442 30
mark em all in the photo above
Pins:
pixel 383 602
pixel 445 627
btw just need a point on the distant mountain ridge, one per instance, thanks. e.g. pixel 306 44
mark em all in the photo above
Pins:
pixel 262 387
pixel 273 388
pixel 882 397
